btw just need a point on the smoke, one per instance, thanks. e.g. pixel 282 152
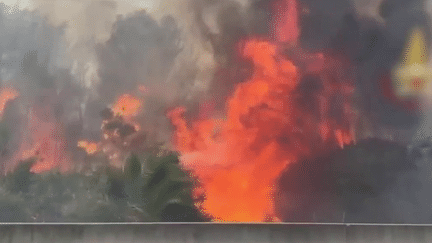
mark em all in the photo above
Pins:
pixel 27 43
pixel 74 58
pixel 370 36
pixel 71 59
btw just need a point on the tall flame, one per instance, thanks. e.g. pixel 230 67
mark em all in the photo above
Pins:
pixel 238 158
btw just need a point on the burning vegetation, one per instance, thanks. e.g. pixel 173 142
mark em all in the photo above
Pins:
pixel 6 95
pixel 265 129
pixel 247 111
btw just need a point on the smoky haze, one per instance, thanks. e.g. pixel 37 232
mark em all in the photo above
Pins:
pixel 71 59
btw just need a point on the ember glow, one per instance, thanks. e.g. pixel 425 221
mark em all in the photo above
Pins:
pixel 89 147
pixel 121 132
pixel 127 106
pixel 47 142
pixel 6 94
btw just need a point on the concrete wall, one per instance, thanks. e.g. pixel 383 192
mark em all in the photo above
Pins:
pixel 297 233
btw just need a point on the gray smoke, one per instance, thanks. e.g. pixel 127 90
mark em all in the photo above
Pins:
pixel 372 41
pixel 27 46
pixel 141 51
pixel 76 58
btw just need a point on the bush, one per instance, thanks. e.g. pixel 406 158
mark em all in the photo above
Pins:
pixel 150 188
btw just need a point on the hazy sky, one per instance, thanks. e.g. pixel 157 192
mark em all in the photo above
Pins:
pixel 123 5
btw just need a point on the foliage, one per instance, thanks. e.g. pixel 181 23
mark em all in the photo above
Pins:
pixel 12 207
pixel 150 188
pixel 157 186
pixel 20 180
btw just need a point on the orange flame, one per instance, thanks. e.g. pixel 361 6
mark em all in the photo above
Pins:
pixel 116 147
pixel 45 141
pixel 239 158
pixel 50 146
pixel 6 94
pixel 42 166
pixel 89 147
pixel 238 164
pixel 127 105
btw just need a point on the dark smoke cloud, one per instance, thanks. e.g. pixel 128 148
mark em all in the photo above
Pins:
pixel 373 181
pixel 321 21
pixel 372 43
pixel 343 29
pixel 78 66
pixel 223 24
pixel 72 67
pixel 142 51
pixel 390 40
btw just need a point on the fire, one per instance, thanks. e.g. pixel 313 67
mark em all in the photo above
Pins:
pixel 89 147
pixel 127 105
pixel 239 163
pixel 121 133
pixel 43 138
pixel 47 141
pixel 42 166
pixel 343 137
pixel 49 151
pixel 238 159
pixel 6 94
pixel 126 108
